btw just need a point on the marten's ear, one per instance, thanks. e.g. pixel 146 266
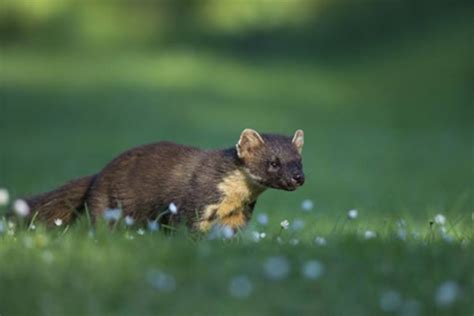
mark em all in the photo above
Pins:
pixel 249 140
pixel 298 140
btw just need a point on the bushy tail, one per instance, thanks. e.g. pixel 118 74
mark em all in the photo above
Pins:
pixel 63 203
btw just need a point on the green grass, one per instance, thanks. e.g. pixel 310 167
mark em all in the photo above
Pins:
pixel 389 134
pixel 76 273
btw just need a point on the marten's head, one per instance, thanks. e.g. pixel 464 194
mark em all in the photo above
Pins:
pixel 272 161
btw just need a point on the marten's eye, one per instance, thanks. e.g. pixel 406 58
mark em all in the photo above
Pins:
pixel 274 164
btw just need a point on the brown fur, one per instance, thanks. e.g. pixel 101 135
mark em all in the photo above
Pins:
pixel 208 186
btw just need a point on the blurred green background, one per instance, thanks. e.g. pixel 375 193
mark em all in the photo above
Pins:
pixel 383 90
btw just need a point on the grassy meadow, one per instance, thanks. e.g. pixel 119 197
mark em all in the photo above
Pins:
pixel 388 133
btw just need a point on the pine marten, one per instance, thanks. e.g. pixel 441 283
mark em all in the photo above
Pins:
pixel 207 186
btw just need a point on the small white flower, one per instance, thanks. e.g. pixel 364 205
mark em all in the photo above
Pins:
pixel 221 232
pixel 173 208
pixel 447 293
pixel 112 214
pixel 256 236
pixel 401 223
pixel 58 222
pixel 402 234
pixel 440 219
pixel 294 241
pixel 227 232
pixel 161 281
pixel 4 197
pixel 321 241
pixel 285 224
pixel 240 287
pixel 21 208
pixel 307 205
pixel 444 235
pixel 32 227
pixel 141 231
pixel 390 301
pixel 313 269
pixel 352 214
pixel 276 268
pixel 153 226
pixel 297 224
pixel 129 221
pixel 369 234
pixel 262 219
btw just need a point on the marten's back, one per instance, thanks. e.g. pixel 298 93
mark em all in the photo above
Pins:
pixel 145 180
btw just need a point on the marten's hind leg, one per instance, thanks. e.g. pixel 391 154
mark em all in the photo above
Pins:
pixel 96 205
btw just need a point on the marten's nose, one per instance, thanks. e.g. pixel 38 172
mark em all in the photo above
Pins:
pixel 298 178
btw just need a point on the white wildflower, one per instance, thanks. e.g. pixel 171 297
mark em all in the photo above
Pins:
pixel 32 226
pixel 221 232
pixel 285 224
pixel 141 231
pixel 255 236
pixel 227 232
pixel 352 214
pixel 21 208
pixel 297 224
pixel 369 234
pixel 401 223
pixel 112 214
pixel 240 287
pixel 294 241
pixel 173 208
pixel 276 268
pixel 262 219
pixel 129 220
pixel 58 222
pixel 444 234
pixel 390 301
pixel 321 241
pixel 4 197
pixel 402 234
pixel 307 205
pixel 161 281
pixel 153 226
pixel 447 293
pixel 440 219
pixel 313 269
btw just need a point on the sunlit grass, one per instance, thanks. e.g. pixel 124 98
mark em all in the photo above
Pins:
pixel 124 271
